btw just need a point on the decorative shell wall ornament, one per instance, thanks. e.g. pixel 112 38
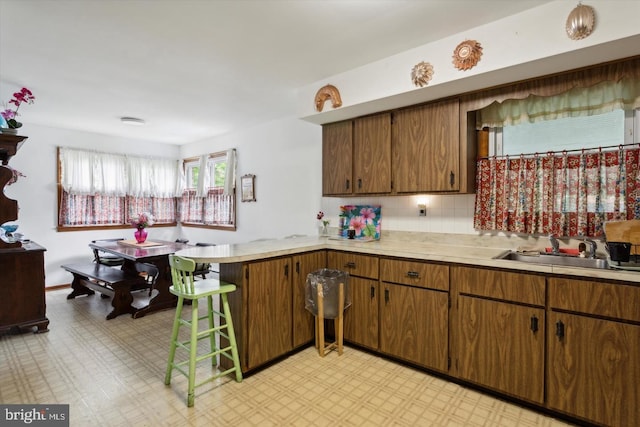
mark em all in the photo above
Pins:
pixel 328 92
pixel 467 54
pixel 580 22
pixel 421 73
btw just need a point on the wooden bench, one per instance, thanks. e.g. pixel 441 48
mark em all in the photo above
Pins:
pixel 108 281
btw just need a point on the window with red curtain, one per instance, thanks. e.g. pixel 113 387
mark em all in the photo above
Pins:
pixel 558 193
pixel 106 189
pixel 209 195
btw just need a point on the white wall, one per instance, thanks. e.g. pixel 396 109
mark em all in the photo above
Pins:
pixel 285 156
pixel 37 193
pixel 445 213
pixel 525 45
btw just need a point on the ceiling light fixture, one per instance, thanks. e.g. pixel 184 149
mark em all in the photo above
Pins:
pixel 133 121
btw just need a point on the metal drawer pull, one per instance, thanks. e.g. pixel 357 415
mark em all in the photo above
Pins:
pixel 373 292
pixel 413 274
pixel 350 265
pixel 534 324
pixel 386 295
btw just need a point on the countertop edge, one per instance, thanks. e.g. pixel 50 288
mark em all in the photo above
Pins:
pixel 465 255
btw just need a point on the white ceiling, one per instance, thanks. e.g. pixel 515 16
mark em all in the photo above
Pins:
pixel 199 68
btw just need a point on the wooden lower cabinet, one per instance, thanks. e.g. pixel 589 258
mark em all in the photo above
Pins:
pixel 593 350
pixel 303 324
pixel 498 330
pixel 361 318
pixel 22 298
pixel 414 325
pixel 593 367
pixel 269 320
pixel 499 346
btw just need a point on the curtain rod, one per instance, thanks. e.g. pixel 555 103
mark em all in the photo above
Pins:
pixel 608 148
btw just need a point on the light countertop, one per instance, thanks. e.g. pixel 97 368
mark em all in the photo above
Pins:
pixel 476 254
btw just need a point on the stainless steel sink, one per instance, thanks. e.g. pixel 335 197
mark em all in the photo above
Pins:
pixel 555 259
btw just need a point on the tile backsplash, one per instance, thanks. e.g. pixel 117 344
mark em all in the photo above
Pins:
pixel 445 213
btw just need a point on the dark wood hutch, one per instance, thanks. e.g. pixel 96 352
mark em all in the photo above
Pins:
pixel 22 299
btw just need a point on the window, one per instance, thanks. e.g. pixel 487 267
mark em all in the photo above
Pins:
pixel 209 196
pixel 566 133
pixel 107 190
pixel 559 164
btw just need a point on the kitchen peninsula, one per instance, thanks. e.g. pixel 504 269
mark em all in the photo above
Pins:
pixel 537 334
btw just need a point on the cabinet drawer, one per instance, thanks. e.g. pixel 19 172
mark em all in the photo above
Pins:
pixel 503 285
pixel 599 298
pixel 354 264
pixel 415 273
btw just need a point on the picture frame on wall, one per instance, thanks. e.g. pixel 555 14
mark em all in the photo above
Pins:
pixel 247 186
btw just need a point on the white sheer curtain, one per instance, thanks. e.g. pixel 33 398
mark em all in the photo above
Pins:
pixel 88 172
pixel 204 176
pixel 152 177
pixel 230 173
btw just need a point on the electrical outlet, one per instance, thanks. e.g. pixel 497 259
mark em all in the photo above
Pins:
pixel 422 210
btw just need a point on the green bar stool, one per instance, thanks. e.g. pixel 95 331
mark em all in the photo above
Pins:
pixel 184 287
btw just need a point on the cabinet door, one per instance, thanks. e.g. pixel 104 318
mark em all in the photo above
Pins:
pixel 269 314
pixel 361 318
pixel 372 154
pixel 426 148
pixel 22 298
pixel 593 369
pixel 337 158
pixel 414 325
pixel 501 346
pixel 303 325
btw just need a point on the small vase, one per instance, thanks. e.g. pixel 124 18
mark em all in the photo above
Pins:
pixel 324 231
pixel 140 235
pixel 9 131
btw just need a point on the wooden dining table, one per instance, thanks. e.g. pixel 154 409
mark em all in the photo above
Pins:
pixel 154 252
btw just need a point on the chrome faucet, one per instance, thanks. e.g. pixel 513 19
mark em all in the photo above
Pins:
pixel 555 245
pixel 592 247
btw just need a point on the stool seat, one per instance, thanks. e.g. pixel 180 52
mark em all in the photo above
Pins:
pixel 186 288
pixel 205 287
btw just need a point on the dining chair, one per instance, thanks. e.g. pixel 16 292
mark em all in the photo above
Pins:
pixel 104 258
pixel 186 288
pixel 149 273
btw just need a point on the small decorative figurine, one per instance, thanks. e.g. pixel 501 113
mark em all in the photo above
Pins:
pixel 328 92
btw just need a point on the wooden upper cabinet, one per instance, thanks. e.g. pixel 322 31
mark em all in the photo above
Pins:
pixel 426 148
pixel 337 156
pixel 372 154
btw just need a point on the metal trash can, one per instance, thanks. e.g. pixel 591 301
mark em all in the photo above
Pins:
pixel 329 281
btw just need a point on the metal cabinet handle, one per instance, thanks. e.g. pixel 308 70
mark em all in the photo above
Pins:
pixel 534 324
pixel 350 264
pixel 559 329
pixel 386 296
pixel 452 178
pixel 348 183
pixel 413 274
pixel 359 183
pixel 373 292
